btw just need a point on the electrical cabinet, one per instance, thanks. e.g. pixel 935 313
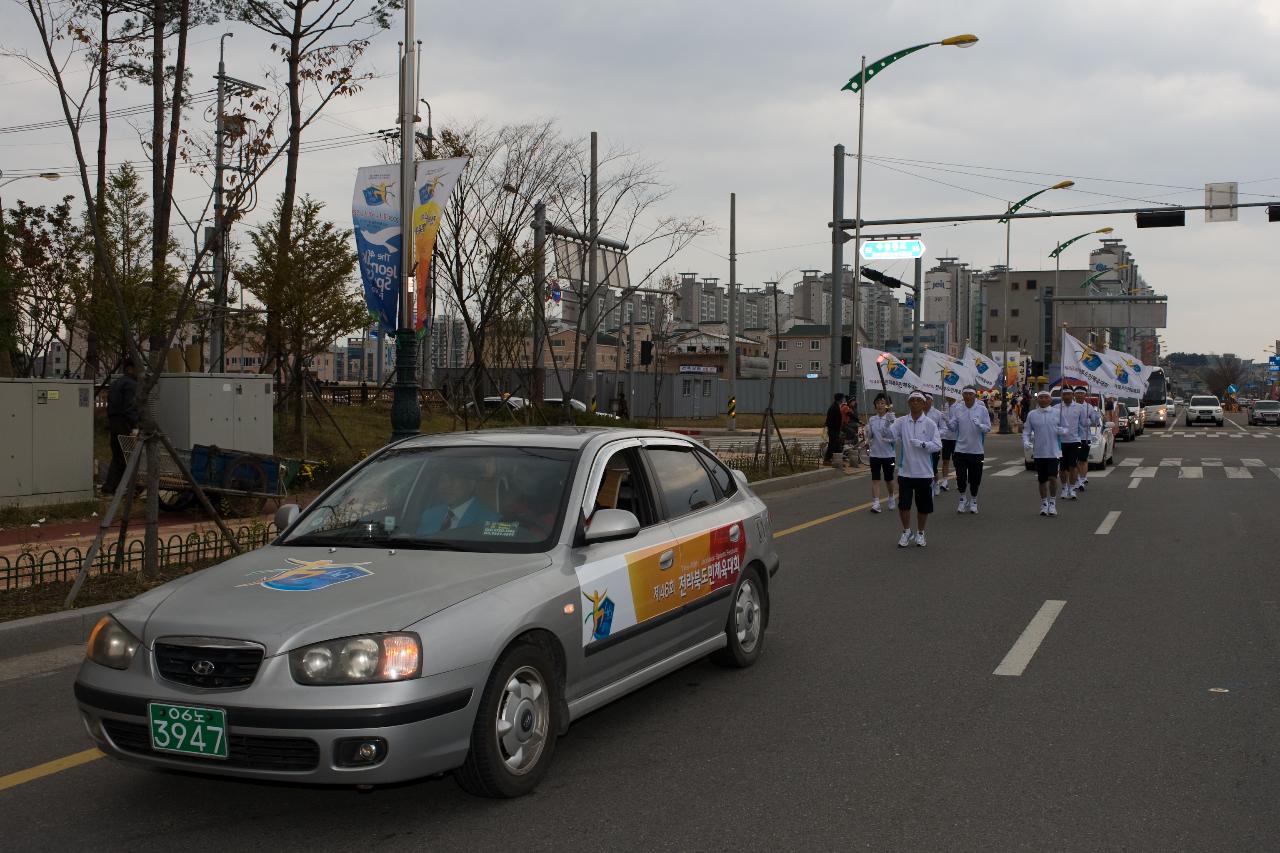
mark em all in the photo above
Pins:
pixel 46 441
pixel 232 411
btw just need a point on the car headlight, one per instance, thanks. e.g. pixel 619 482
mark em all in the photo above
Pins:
pixel 111 645
pixel 358 660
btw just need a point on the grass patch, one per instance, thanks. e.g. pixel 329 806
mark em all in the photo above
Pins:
pixel 97 589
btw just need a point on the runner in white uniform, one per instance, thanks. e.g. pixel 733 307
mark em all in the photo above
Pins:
pixel 1069 413
pixel 939 420
pixel 970 422
pixel 880 450
pixel 917 439
pixel 1090 418
pixel 1042 434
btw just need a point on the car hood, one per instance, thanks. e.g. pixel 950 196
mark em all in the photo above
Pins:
pixel 286 597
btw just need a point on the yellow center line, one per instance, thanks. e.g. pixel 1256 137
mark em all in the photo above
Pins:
pixel 815 522
pixel 49 768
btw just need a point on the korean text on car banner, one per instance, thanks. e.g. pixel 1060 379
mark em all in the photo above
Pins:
pixel 1128 374
pixel 436 180
pixel 900 378
pixel 944 374
pixel 375 212
pixel 624 591
pixel 1083 362
pixel 985 372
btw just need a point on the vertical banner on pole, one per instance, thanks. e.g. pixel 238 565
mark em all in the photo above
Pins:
pixel 435 182
pixel 375 212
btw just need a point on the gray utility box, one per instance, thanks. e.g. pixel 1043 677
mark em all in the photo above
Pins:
pixel 226 410
pixel 46 441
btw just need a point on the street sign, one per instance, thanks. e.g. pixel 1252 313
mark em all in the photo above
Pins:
pixel 699 368
pixel 811 376
pixel 1231 389
pixel 1274 360
pixel 892 250
pixel 1224 197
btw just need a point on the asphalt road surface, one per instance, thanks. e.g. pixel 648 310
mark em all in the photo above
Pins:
pixel 1136 637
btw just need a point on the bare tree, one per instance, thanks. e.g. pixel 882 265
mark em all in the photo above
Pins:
pixel 1222 373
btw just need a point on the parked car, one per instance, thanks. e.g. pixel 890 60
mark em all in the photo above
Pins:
pixel 1126 427
pixel 453 603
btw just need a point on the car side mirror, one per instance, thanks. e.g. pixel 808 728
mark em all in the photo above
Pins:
pixel 610 525
pixel 286 516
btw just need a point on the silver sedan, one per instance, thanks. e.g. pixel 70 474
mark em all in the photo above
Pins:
pixel 452 604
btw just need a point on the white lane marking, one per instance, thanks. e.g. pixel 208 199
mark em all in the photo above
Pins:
pixel 1105 472
pixel 1235 435
pixel 1234 473
pixel 1276 471
pixel 1146 473
pixel 1010 471
pixel 41 663
pixel 1134 483
pixel 1014 462
pixel 1234 424
pixel 1107 523
pixel 1191 472
pixel 1171 462
pixel 1134 461
pixel 1015 662
pixel 1211 463
pixel 1253 463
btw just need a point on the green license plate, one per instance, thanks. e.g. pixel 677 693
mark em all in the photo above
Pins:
pixel 189 731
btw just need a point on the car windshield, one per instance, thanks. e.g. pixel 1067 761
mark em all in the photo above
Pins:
pixel 1204 401
pixel 1267 406
pixel 490 499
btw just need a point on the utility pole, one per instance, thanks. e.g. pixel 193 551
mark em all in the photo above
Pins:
pixel 406 409
pixel 733 309
pixel 217 335
pixel 593 233
pixel 539 300
pixel 915 318
pixel 631 355
pixel 837 270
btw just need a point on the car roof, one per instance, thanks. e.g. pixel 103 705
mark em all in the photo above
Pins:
pixel 572 438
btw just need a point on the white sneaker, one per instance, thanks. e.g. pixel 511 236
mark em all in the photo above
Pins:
pixel 1053 507
pixel 1044 507
pixel 973 506
pixel 893 503
pixel 935 488
pixel 920 539
pixel 943 485
pixel 1069 494
pixel 875 505
pixel 964 504
pixel 905 540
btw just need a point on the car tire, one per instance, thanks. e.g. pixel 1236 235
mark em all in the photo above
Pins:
pixel 519 704
pixel 747 621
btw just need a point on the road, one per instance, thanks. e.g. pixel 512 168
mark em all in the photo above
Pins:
pixel 1143 717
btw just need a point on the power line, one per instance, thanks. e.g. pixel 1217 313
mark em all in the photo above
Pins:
pixel 122 112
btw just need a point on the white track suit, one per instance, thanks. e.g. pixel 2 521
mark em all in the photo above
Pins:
pixel 971 425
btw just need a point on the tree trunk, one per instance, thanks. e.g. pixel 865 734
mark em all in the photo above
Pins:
pixel 284 233
pixel 89 322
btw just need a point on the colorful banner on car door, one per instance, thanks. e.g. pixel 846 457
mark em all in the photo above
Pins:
pixel 436 180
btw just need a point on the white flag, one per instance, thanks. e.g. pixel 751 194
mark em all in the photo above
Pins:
pixel 1126 379
pixel 1083 362
pixel 985 370
pixel 897 376
pixel 944 374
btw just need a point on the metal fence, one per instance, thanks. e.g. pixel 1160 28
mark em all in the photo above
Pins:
pixel 34 567
pixel 799 456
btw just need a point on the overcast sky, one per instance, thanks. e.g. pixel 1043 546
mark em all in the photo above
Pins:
pixel 1136 100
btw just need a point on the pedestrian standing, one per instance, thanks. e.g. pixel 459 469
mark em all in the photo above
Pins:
pixel 1089 418
pixel 880 451
pixel 122 419
pixel 938 419
pixel 1069 413
pixel 1042 434
pixel 835 421
pixel 916 437
pixel 970 423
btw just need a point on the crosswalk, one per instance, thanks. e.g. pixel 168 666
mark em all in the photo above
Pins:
pixel 1215 432
pixel 1171 468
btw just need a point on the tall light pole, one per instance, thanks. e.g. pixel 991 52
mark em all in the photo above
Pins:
pixel 1056 254
pixel 1008 266
pixel 859 84
pixel 733 309
pixel 406 410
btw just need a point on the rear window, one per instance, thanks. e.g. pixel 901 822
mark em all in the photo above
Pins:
pixel 1204 401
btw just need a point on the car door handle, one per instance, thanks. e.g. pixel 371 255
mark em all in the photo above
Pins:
pixel 667 560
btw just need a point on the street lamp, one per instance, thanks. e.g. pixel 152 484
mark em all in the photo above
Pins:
pixel 48 176
pixel 1056 254
pixel 538 289
pixel 859 84
pixel 1008 265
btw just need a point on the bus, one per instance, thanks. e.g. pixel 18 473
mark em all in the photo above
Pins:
pixel 1155 400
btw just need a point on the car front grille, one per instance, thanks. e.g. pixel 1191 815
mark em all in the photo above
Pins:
pixel 211 665
pixel 252 752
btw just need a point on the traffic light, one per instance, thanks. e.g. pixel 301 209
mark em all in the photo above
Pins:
pixel 1273 213
pixel 646 352
pixel 880 278
pixel 1162 219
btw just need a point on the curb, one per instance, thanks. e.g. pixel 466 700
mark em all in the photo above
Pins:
pixel 49 630
pixel 793 481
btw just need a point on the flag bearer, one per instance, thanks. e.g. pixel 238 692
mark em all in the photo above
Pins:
pixel 880 451
pixel 917 439
pixel 970 422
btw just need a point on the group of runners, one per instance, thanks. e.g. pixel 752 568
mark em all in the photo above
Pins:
pixel 916 452
pixel 921 448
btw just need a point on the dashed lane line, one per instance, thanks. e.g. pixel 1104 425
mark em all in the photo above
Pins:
pixel 1107 523
pixel 1134 483
pixel 1015 662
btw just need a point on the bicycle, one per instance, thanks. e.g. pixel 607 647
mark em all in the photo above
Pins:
pixel 855 447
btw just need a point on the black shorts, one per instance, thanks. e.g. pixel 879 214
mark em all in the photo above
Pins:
pixel 882 468
pixel 948 448
pixel 917 489
pixel 1082 453
pixel 1069 451
pixel 1047 469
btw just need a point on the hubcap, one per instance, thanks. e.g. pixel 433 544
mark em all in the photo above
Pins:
pixel 746 616
pixel 522 720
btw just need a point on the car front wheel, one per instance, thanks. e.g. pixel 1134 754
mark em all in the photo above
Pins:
pixel 514 735
pixel 748 618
